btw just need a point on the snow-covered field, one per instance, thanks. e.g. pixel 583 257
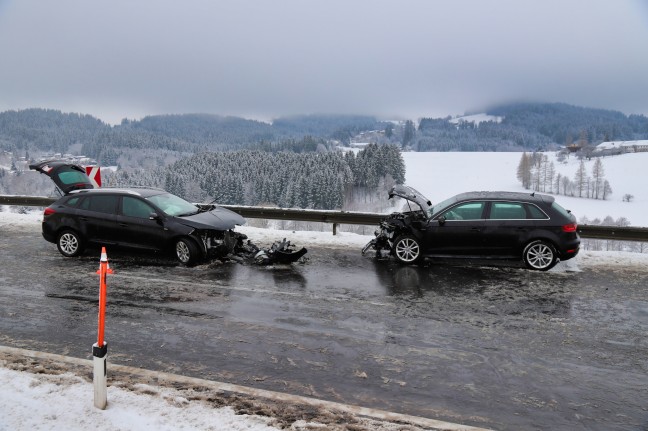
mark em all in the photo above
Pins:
pixel 441 175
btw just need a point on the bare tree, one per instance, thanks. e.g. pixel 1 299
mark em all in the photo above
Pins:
pixel 580 179
pixel 524 171
pixel 557 183
pixel 550 174
pixel 607 189
pixel 598 177
pixel 566 184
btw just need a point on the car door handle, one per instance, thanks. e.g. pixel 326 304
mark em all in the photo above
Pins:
pixel 476 229
pixel 122 224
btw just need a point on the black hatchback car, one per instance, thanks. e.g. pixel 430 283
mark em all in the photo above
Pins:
pixel 479 225
pixel 142 218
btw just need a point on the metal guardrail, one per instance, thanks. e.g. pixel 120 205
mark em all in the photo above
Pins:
pixel 350 217
pixel 27 201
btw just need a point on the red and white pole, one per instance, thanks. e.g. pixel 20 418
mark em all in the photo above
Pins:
pixel 100 348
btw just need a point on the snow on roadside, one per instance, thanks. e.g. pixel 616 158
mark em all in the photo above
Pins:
pixel 64 401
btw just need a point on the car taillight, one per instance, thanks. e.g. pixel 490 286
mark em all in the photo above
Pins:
pixel 572 227
pixel 49 211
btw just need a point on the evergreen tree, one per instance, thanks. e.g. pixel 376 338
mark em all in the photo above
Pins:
pixel 409 132
pixel 389 130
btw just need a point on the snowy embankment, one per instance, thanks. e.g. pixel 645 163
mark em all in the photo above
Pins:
pixel 64 402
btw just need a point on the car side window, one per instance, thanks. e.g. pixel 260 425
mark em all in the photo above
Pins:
pixel 465 211
pixel 133 207
pixel 507 211
pixel 535 213
pixel 100 204
pixel 72 202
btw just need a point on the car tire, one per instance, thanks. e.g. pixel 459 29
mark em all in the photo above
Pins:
pixel 187 251
pixel 540 255
pixel 70 243
pixel 407 249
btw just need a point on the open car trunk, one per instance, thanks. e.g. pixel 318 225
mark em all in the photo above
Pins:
pixel 66 176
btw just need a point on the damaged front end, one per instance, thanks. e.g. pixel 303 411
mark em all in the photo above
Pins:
pixel 217 244
pixel 399 223
pixel 383 241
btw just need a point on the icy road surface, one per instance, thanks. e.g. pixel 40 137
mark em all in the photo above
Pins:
pixel 493 346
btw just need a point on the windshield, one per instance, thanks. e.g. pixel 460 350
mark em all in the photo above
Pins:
pixel 441 206
pixel 173 205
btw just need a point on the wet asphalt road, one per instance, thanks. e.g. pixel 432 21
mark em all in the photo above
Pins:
pixel 493 346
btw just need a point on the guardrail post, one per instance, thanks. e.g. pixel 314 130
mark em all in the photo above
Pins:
pixel 335 228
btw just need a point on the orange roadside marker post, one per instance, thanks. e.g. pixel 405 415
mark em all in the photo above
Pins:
pixel 100 348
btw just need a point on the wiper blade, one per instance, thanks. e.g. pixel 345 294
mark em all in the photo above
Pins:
pixel 189 213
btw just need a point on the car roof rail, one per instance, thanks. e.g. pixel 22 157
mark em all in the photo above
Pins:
pixel 134 187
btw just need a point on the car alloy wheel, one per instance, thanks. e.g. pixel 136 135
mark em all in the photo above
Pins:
pixel 407 249
pixel 187 251
pixel 69 243
pixel 540 255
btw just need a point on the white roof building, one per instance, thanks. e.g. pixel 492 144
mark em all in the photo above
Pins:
pixel 622 146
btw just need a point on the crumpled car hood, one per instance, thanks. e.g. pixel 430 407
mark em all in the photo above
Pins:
pixel 217 218
pixel 412 195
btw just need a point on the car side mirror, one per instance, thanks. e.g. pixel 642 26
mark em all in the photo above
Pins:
pixel 441 220
pixel 154 216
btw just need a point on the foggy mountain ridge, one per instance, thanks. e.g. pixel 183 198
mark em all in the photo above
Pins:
pixel 523 127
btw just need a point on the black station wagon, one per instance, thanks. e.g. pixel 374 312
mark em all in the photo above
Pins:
pixel 142 218
pixel 479 225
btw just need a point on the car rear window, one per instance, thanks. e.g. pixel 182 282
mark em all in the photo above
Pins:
pixel 507 211
pixel 516 211
pixel 72 176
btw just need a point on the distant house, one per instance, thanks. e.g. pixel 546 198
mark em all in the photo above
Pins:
pixel 620 147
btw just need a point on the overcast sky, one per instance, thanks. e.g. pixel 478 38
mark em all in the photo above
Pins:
pixel 263 59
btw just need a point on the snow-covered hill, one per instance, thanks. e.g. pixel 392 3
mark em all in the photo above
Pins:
pixel 441 175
